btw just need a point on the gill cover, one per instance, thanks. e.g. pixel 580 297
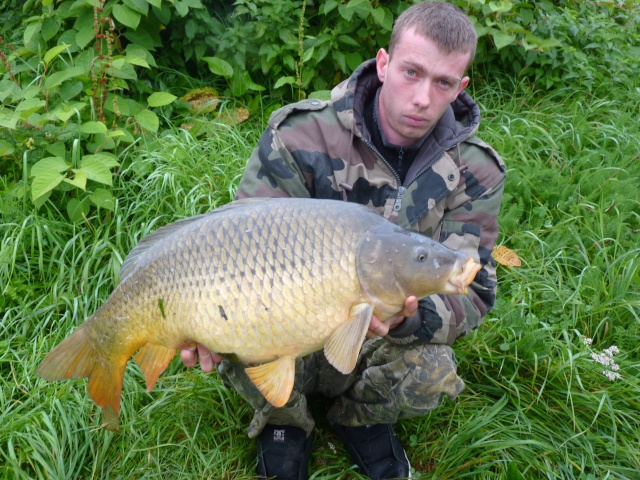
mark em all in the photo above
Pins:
pixel 394 263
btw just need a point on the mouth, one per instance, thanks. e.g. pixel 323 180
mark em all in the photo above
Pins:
pixel 461 279
pixel 416 122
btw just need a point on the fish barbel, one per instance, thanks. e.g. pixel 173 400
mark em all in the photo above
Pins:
pixel 267 280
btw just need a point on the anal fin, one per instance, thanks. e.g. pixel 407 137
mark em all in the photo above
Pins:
pixel 105 389
pixel 343 346
pixel 275 379
pixel 153 360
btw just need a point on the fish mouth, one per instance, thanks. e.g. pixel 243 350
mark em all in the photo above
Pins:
pixel 460 279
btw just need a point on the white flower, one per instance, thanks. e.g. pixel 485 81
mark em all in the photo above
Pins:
pixel 611 351
pixel 611 375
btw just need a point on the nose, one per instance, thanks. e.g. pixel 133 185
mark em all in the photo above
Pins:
pixel 422 95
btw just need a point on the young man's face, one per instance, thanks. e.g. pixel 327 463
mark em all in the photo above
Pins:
pixel 418 84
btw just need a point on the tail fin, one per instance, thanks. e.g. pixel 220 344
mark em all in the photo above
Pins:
pixel 75 357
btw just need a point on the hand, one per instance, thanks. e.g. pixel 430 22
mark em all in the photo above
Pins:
pixel 378 328
pixel 190 356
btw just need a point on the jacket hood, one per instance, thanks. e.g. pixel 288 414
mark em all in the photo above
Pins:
pixel 460 121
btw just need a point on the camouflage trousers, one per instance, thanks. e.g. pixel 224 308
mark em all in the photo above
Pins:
pixel 390 381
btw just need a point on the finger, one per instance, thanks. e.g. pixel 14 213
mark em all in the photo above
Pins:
pixel 377 328
pixel 206 359
pixel 410 306
pixel 189 357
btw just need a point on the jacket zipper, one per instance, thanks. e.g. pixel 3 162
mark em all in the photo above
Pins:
pixel 401 189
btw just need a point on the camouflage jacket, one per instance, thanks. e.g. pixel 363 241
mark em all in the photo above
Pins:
pixel 452 191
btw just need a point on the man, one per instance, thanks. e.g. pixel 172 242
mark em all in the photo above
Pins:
pixel 398 135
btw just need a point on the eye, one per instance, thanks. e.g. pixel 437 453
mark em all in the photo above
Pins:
pixel 422 257
pixel 411 73
pixel 444 84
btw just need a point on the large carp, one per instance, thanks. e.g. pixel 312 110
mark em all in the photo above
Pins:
pixel 267 280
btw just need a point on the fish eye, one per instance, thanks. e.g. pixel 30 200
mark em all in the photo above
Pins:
pixel 422 257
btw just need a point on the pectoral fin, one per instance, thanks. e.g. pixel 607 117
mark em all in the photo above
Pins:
pixel 343 346
pixel 275 379
pixel 153 360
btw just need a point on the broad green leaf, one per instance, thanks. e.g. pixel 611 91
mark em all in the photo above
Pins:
pixel 75 209
pixel 347 40
pixel 9 119
pixel 49 165
pixel 345 12
pixel 84 36
pixel 41 200
pixel 116 133
pixel 31 31
pixel 29 106
pixel 50 27
pixel 219 66
pixel 79 180
pixel 134 50
pixel 65 111
pixel 148 120
pixel 103 199
pixel 70 88
pixel 126 16
pixel 362 8
pixel 95 171
pixel 139 61
pixel 307 55
pixel 140 6
pixel 122 69
pixel 354 59
pixel 502 39
pixel 502 6
pixel 285 81
pixel 45 183
pixel 251 85
pixel 160 99
pixel 6 148
pixel 378 16
pixel 193 3
pixel 329 5
pixel 143 38
pixel 7 88
pixel 339 58
pixel 57 78
pixel 182 8
pixel 93 127
pixel 155 3
pixel 109 160
pixel 57 149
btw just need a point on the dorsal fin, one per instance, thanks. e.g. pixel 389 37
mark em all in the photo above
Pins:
pixel 131 261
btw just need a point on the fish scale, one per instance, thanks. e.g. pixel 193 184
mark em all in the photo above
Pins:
pixel 266 280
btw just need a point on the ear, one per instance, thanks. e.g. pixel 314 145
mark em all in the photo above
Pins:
pixel 463 84
pixel 382 62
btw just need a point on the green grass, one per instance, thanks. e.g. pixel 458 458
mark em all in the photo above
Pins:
pixel 536 404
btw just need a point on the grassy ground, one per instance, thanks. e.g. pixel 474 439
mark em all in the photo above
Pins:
pixel 537 405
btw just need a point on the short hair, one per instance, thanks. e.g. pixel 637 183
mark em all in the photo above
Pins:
pixel 444 24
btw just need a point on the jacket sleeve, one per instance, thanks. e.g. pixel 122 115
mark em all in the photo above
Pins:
pixel 472 228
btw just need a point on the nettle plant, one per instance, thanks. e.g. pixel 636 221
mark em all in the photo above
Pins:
pixel 67 108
